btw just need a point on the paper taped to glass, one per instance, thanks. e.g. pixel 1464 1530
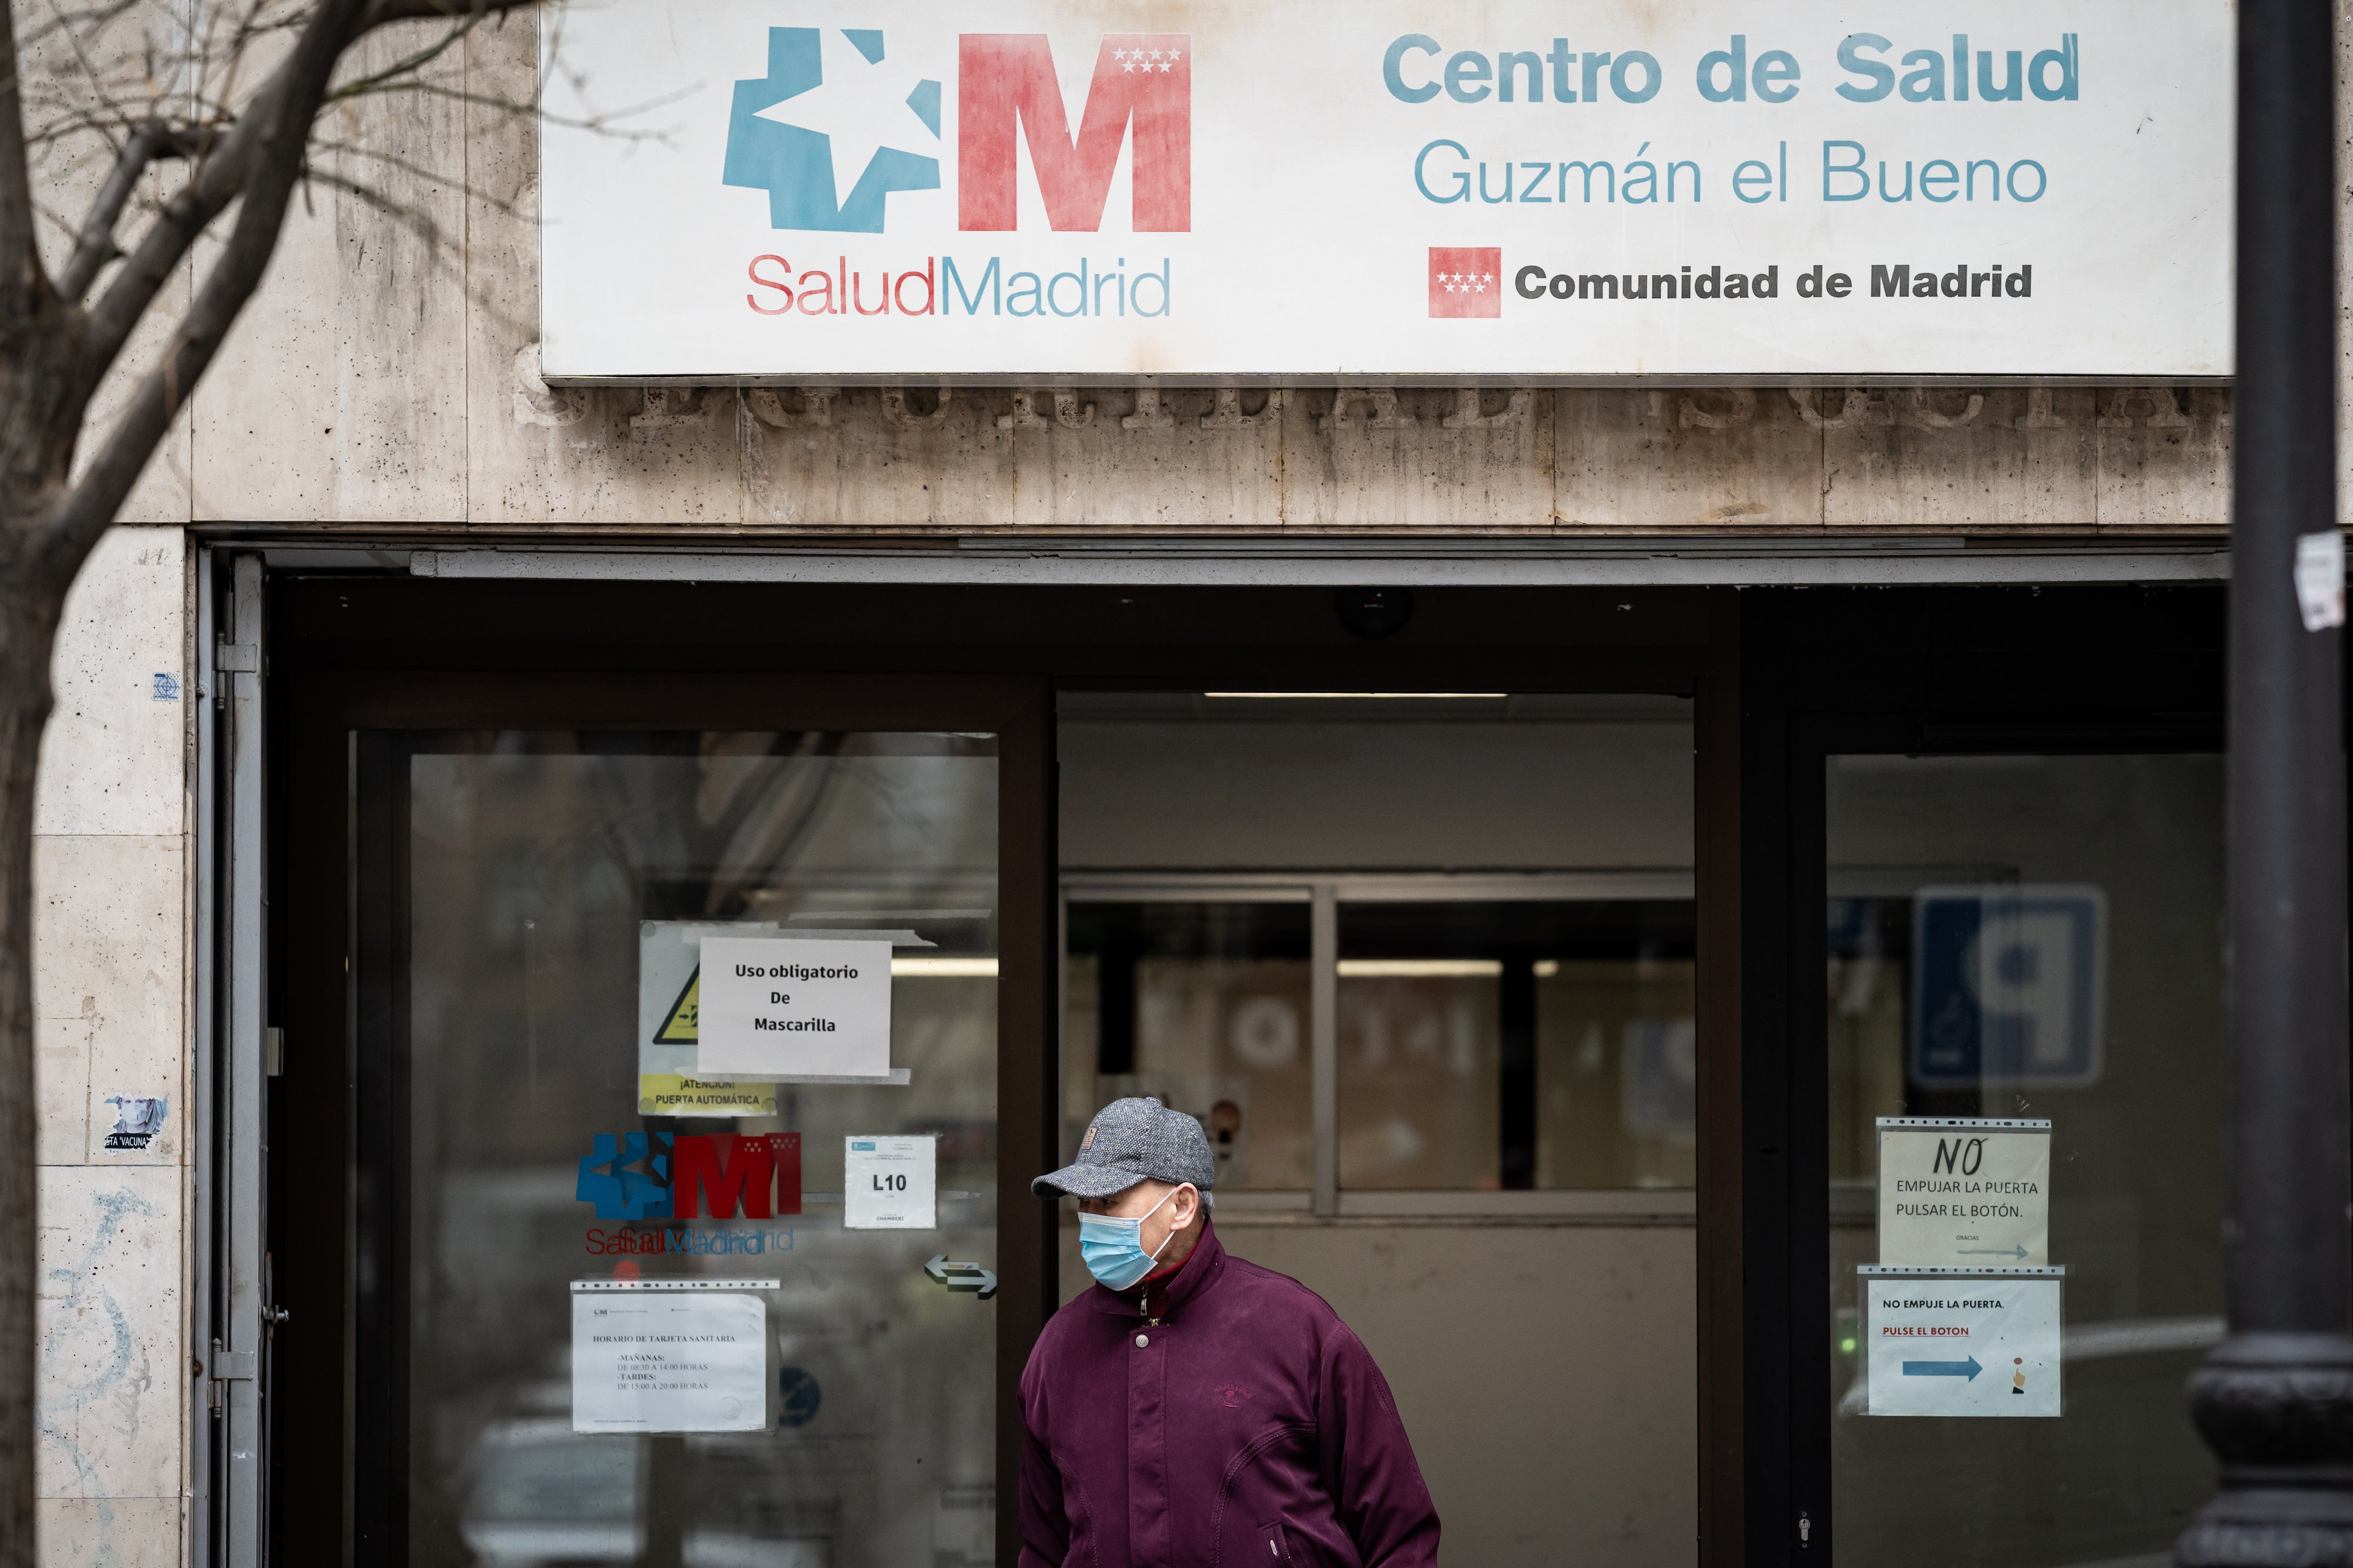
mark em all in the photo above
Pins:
pixel 668 1356
pixel 1964 1192
pixel 1943 1342
pixel 792 1008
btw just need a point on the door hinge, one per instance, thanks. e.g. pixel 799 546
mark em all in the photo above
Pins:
pixel 273 1052
pixel 224 1367
pixel 237 658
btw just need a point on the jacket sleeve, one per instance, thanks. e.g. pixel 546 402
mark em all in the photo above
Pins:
pixel 1369 1464
pixel 1045 1528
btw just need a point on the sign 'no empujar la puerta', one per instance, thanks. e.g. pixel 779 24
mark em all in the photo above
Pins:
pixel 1026 188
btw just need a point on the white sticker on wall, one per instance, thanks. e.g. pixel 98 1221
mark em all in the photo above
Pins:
pixel 137 1119
pixel 1942 1343
pixel 664 1356
pixel 890 1183
pixel 778 1008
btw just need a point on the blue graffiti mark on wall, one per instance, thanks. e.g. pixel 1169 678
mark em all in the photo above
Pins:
pixel 77 1385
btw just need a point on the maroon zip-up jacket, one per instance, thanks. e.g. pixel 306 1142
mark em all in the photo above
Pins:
pixel 1245 1425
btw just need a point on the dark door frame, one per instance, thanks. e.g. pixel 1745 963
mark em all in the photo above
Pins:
pixel 378 652
pixel 330 1492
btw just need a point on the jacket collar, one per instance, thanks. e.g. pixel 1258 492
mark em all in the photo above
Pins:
pixel 1201 1269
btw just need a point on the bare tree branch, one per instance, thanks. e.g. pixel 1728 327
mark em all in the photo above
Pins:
pixel 269 151
pixel 21 280
pixel 185 217
pixel 408 65
pixel 95 247
pixel 271 142
pixel 222 169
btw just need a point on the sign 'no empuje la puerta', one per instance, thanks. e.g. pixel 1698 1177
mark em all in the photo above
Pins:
pixel 1041 188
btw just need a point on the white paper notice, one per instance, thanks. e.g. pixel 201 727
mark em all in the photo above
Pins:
pixel 890 1183
pixel 1964 1192
pixel 655 1359
pixel 783 1008
pixel 1953 1344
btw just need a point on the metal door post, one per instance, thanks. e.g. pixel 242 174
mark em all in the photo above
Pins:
pixel 233 1166
pixel 2275 1400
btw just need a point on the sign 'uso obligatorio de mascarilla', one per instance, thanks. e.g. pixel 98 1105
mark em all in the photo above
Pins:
pixel 792 1008
pixel 1394 187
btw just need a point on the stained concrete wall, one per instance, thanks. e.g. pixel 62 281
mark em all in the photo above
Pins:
pixel 110 983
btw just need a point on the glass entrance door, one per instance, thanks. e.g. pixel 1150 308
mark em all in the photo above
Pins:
pixel 676 1082
pixel 2025 1197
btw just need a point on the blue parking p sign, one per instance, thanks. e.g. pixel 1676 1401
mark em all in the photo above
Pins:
pixel 2007 985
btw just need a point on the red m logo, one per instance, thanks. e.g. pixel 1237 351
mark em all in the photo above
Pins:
pixel 721 1175
pixel 1144 77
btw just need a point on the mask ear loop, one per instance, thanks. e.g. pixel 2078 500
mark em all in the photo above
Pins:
pixel 1154 1254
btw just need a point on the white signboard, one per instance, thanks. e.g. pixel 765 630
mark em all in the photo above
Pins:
pixel 669 1357
pixel 1058 188
pixel 1946 1342
pixel 788 1008
pixel 1964 1192
pixel 890 1183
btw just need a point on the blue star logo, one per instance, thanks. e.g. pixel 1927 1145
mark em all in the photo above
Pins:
pixel 628 1177
pixel 827 117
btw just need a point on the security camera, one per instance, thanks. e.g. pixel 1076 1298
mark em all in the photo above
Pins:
pixel 1374 613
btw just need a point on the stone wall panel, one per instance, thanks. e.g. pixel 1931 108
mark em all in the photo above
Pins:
pixel 339 396
pixel 112 1385
pixel 1981 460
pixel 1728 459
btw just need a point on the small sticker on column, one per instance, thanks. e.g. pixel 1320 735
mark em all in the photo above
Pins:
pixel 2320 579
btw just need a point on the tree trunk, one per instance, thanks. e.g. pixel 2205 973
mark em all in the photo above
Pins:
pixel 28 621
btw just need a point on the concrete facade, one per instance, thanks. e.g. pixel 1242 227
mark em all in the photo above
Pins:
pixel 111 982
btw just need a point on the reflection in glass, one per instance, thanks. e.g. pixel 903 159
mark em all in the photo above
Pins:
pixel 2034 937
pixel 1616 1072
pixel 528 862
pixel 1516 1043
pixel 1420 1060
pixel 1205 1006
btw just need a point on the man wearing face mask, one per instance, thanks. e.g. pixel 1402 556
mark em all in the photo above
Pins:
pixel 1193 1408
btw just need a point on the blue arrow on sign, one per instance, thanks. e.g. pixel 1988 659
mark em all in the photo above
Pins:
pixel 2010 1251
pixel 1968 1369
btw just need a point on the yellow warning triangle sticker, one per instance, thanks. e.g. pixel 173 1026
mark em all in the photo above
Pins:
pixel 680 1028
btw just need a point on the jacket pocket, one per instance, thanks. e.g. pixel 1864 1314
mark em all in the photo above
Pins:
pixel 1272 1547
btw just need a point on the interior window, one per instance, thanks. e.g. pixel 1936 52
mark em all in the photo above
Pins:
pixel 1516 1043
pixel 1204 1007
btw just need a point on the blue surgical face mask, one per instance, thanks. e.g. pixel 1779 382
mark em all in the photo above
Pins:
pixel 1113 1248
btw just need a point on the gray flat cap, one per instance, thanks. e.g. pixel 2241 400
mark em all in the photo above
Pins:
pixel 1128 1141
